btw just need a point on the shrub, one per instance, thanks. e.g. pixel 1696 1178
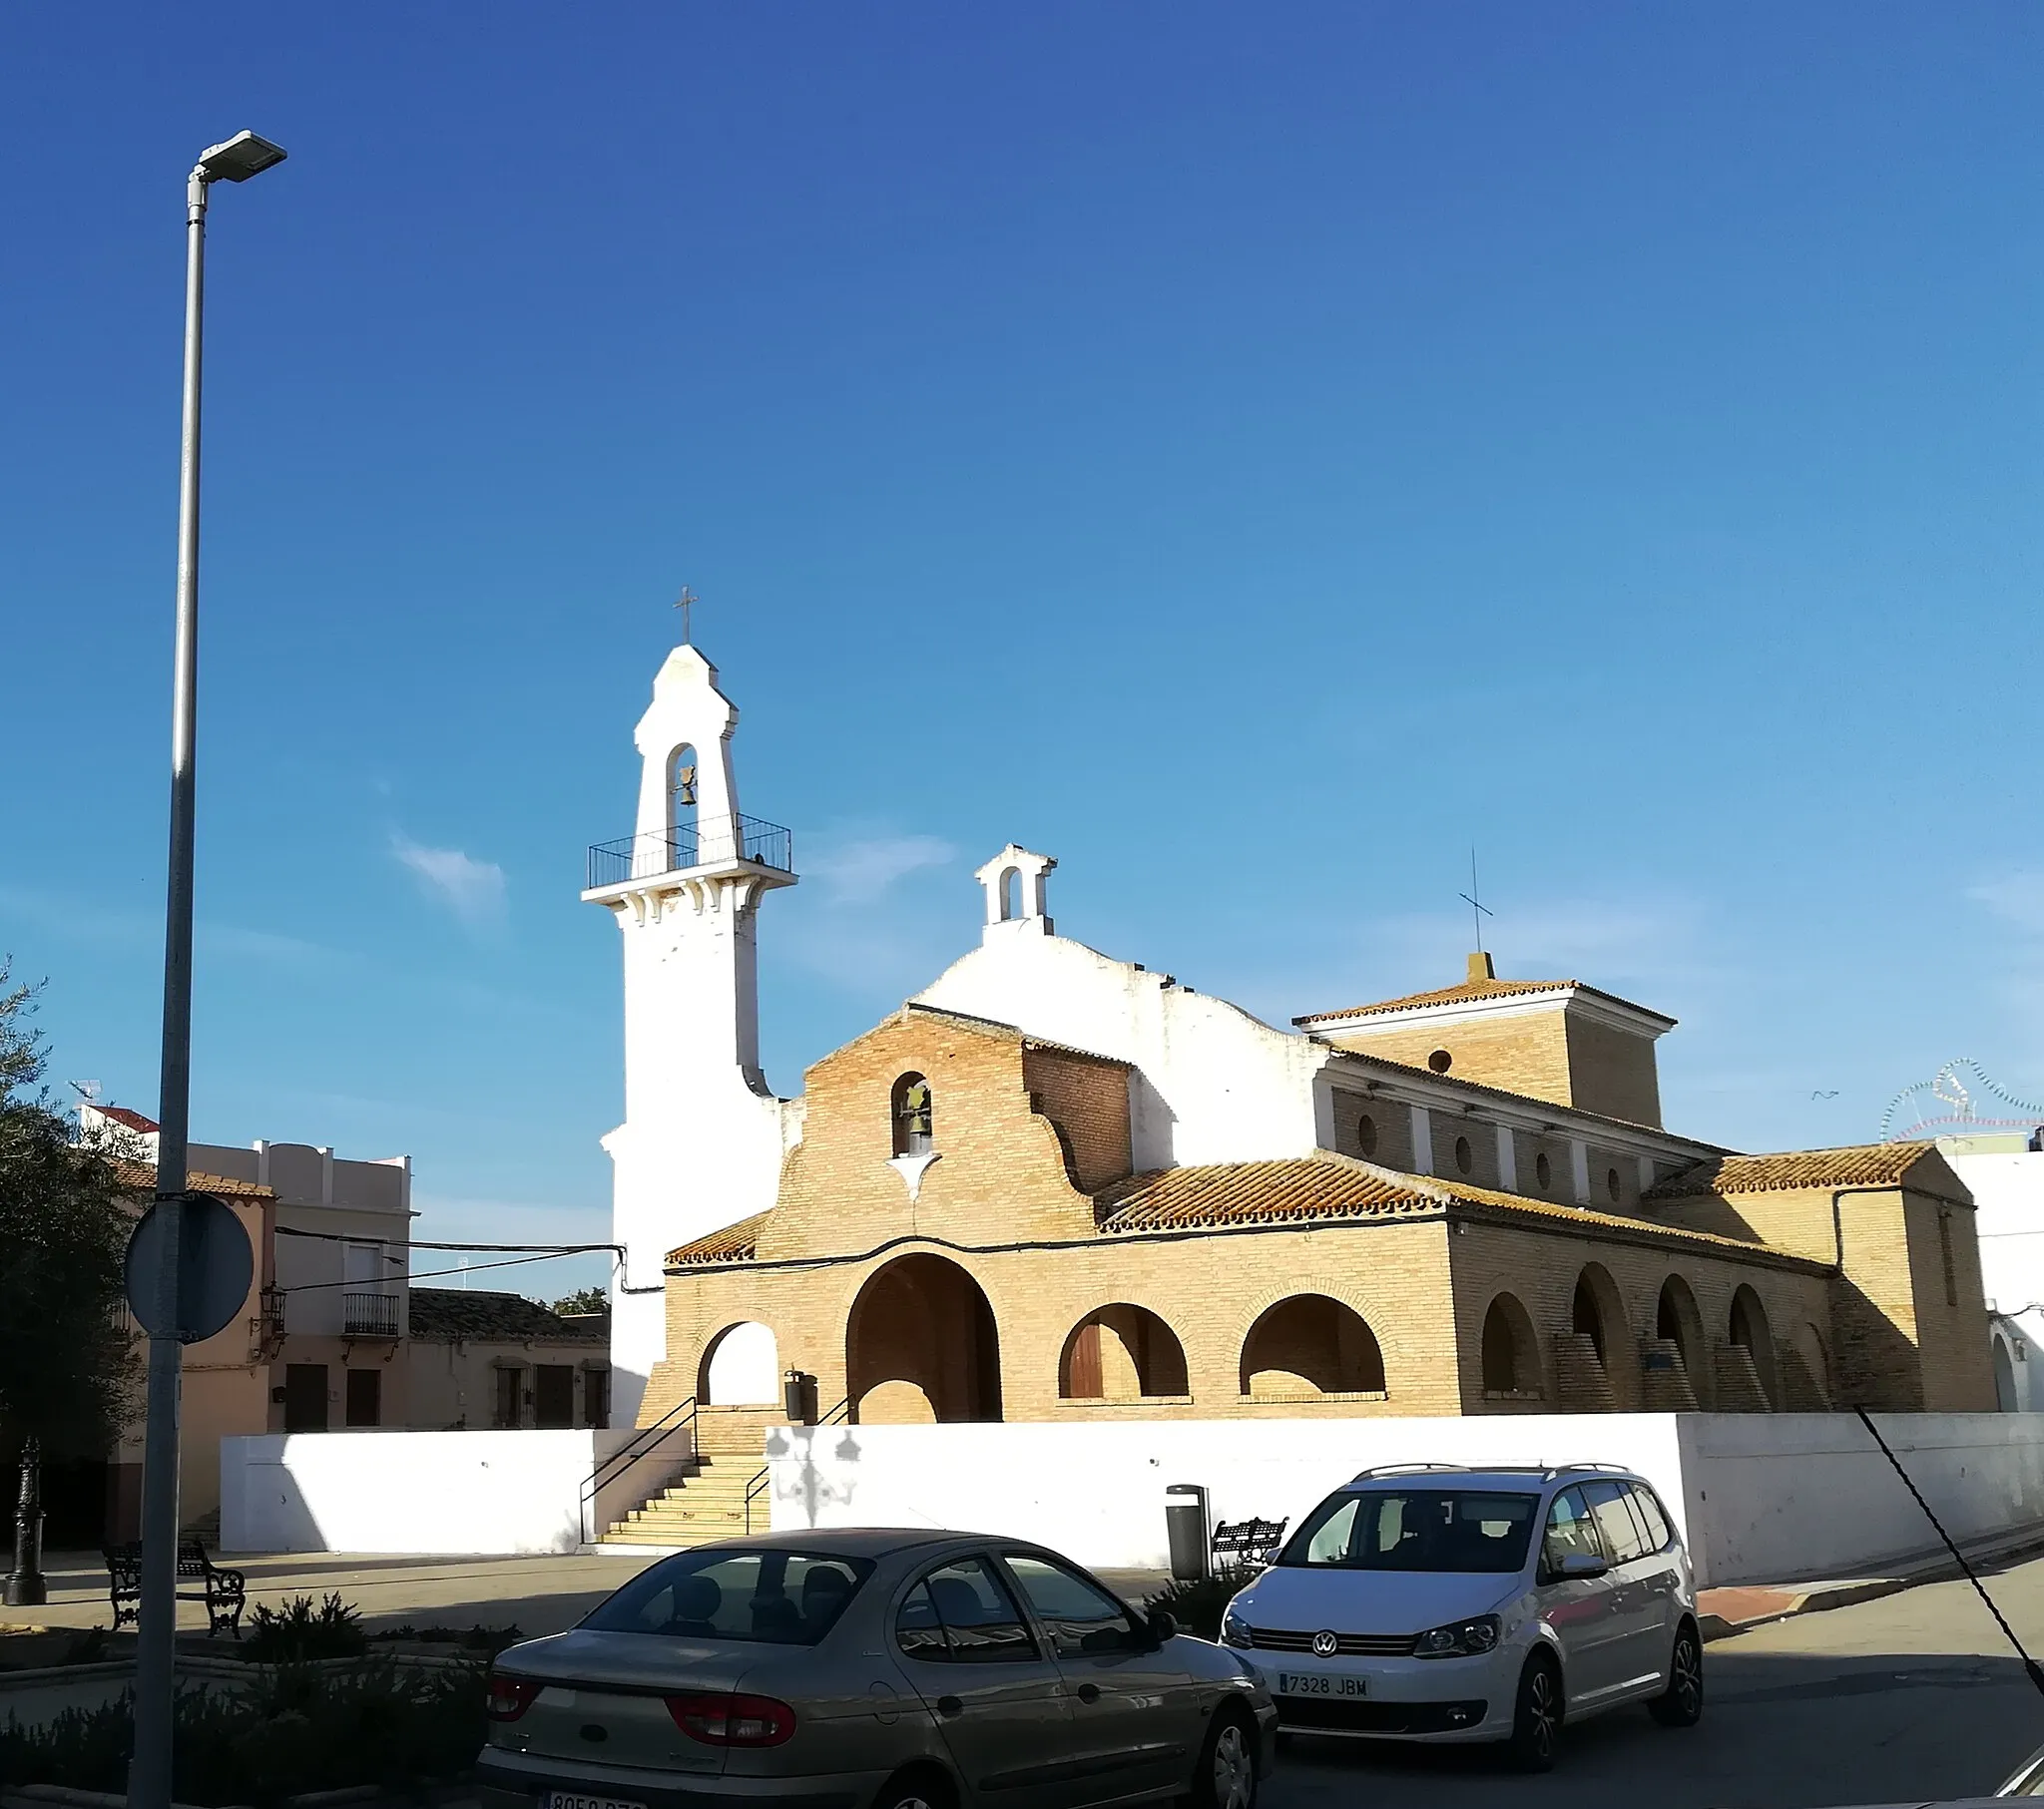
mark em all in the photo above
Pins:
pixel 296 1732
pixel 298 1631
pixel 488 1641
pixel 1198 1607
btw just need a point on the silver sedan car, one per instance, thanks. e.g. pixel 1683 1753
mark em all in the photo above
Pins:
pixel 871 1669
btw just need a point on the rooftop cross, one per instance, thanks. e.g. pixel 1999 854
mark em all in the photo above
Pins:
pixel 685 603
pixel 1473 898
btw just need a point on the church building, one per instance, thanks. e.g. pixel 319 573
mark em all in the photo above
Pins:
pixel 1055 1184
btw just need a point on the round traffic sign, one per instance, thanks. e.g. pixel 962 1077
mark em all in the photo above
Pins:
pixel 215 1266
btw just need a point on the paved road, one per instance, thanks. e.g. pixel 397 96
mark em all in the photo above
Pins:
pixel 1915 1695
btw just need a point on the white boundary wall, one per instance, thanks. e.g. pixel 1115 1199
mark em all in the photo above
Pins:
pixel 1761 1498
pixel 438 1492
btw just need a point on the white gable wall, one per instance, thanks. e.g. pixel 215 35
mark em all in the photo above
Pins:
pixel 1212 1084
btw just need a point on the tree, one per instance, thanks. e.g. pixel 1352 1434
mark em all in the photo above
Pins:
pixel 68 1365
pixel 583 1300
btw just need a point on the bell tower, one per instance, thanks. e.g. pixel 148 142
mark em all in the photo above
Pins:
pixel 701 1141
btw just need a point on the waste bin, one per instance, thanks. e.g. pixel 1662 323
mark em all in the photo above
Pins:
pixel 798 1398
pixel 1185 1522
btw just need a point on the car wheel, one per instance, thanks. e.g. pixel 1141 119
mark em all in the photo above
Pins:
pixel 1536 1717
pixel 1681 1704
pixel 1227 1778
pixel 915 1793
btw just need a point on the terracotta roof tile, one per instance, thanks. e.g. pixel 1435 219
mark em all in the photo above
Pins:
pixel 132 1121
pixel 1446 995
pixel 1855 1166
pixel 734 1243
pixel 1337 1187
pixel 140 1177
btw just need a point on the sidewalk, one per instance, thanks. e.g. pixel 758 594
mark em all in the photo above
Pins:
pixel 1723 1613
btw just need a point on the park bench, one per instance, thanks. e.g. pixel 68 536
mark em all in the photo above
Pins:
pixel 1244 1544
pixel 224 1592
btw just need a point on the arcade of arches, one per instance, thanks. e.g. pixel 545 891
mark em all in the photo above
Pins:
pixel 957 1236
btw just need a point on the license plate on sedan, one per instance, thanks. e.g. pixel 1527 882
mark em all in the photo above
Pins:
pixel 1321 1683
pixel 574 1799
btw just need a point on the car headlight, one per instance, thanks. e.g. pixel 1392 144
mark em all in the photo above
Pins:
pixel 1235 1630
pixel 1459 1640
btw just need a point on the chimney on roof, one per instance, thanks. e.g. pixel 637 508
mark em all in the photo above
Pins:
pixel 1482 967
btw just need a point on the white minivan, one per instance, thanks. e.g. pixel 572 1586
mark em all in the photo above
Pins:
pixel 1436 1603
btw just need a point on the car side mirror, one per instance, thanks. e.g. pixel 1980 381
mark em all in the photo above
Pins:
pixel 1580 1567
pixel 1162 1625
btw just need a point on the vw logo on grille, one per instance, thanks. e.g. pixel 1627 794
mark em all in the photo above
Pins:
pixel 1324 1644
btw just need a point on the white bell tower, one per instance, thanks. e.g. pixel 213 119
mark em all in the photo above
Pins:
pixel 701 1144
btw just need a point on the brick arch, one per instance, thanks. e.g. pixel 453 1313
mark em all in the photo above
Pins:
pixel 922 1329
pixel 1307 1344
pixel 1121 1352
pixel 1510 1348
pixel 1597 1325
pixel 740 1366
pixel 1748 1324
pixel 1678 1320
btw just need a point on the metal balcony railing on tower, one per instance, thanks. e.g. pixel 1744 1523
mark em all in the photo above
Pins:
pixel 672 850
pixel 368 1315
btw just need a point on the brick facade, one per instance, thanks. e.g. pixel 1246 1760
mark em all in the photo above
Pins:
pixel 989 1278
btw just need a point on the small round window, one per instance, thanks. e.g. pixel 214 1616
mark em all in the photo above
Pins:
pixel 1543 1170
pixel 1464 1156
pixel 1613 1185
pixel 1367 1134
pixel 1440 1061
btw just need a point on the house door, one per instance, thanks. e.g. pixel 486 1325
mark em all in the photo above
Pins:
pixel 305 1397
pixel 553 1395
pixel 365 1397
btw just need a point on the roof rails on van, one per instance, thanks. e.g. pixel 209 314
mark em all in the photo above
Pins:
pixel 1555 1470
pixel 1406 1469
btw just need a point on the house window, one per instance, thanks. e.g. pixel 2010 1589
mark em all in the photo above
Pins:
pixel 365 1397
pixel 510 1403
pixel 596 1398
pixel 1466 1158
pixel 1944 1250
pixel 1543 1172
pixel 914 1115
pixel 1367 1134
pixel 1440 1061
pixel 1613 1185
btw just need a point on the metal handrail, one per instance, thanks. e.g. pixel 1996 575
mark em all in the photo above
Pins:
pixel 640 1445
pixel 674 849
pixel 368 1314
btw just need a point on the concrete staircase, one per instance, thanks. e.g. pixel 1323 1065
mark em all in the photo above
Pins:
pixel 708 1501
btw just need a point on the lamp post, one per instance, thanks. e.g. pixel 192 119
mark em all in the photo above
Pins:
pixel 26 1588
pixel 148 1773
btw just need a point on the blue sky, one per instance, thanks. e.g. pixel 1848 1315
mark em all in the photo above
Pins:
pixel 1252 455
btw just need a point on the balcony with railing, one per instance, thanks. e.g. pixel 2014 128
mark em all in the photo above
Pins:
pixel 648 856
pixel 368 1315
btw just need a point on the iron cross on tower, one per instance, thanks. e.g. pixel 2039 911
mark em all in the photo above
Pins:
pixel 685 603
pixel 1473 898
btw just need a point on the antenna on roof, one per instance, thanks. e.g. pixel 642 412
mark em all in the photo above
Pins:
pixel 1473 898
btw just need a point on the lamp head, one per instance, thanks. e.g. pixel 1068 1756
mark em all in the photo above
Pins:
pixel 243 156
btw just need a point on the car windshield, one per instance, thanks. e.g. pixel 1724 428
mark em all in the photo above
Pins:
pixel 776 1597
pixel 1417 1530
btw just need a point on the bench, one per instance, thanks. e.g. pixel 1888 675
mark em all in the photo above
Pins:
pixel 224 1592
pixel 1242 1543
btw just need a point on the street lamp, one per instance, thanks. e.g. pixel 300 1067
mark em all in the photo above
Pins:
pixel 148 1774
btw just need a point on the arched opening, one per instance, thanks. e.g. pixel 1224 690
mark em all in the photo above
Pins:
pixel 1121 1353
pixel 1511 1354
pixel 1465 1157
pixel 741 1367
pixel 1310 1345
pixel 920 1344
pixel 1677 1319
pixel 1367 1134
pixel 1596 1311
pixel 1011 894
pixel 2005 1396
pixel 1613 1185
pixel 914 1114
pixel 682 791
pixel 1812 1390
pixel 1543 1172
pixel 1749 1327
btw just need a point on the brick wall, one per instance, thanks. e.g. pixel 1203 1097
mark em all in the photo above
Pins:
pixel 1614 1072
pixel 1088 1099
pixel 1525 1052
